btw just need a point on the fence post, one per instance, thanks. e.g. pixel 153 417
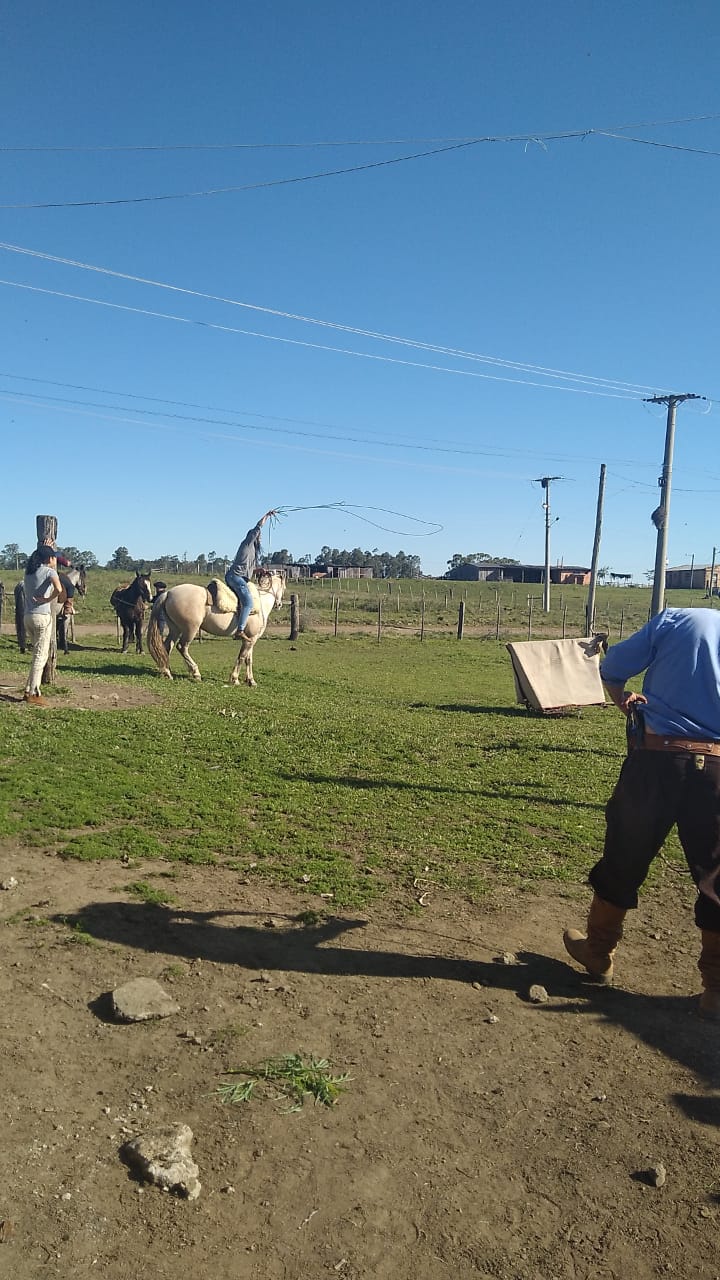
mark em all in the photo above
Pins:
pixel 530 609
pixel 622 621
pixel 294 616
pixel 461 620
pixel 564 621
pixel 422 619
pixel 379 622
pixel 337 612
pixel 497 621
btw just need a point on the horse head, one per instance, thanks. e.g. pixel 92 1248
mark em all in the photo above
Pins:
pixel 143 586
pixel 78 579
pixel 272 581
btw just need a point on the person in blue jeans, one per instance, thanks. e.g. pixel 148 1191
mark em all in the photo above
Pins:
pixel 242 569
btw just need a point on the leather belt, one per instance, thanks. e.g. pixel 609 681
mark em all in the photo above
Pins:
pixel 656 742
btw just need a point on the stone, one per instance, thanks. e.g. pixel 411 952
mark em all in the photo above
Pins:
pixel 163 1157
pixel 10 883
pixel 656 1175
pixel 538 994
pixel 142 999
pixel 507 957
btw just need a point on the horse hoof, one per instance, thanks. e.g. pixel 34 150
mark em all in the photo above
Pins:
pixel 168 674
pixel 197 677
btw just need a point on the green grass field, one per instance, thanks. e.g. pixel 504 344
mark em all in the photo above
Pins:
pixel 354 769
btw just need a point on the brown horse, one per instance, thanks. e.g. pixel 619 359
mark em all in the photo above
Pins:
pixel 129 605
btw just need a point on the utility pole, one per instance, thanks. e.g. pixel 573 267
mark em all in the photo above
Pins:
pixel 545 481
pixel 660 517
pixel 590 609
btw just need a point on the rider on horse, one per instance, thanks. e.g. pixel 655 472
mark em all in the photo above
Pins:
pixel 242 569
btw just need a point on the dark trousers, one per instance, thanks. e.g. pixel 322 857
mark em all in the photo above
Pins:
pixel 655 791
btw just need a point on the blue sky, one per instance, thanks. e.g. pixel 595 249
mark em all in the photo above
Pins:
pixel 588 255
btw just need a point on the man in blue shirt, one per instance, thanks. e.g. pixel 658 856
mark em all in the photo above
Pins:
pixel 671 776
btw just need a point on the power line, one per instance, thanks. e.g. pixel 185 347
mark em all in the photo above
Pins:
pixel 349 142
pixel 652 142
pixel 519 366
pixel 251 186
pixel 48 401
pixel 541 138
pixel 315 346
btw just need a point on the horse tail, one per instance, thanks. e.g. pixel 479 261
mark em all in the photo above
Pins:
pixel 154 635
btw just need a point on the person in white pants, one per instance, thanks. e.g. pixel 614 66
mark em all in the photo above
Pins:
pixel 42 586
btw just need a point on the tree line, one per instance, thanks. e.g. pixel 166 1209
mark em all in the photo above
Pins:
pixel 384 564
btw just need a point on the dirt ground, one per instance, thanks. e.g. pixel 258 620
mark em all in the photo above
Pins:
pixel 481 1135
pixel 74 691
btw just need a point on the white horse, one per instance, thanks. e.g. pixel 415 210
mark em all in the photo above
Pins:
pixel 185 610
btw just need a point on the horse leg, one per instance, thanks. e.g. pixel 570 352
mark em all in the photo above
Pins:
pixel 235 673
pixel 126 637
pixel 244 657
pixel 193 668
pixel 138 635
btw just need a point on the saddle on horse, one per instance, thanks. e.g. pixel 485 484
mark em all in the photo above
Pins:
pixel 223 600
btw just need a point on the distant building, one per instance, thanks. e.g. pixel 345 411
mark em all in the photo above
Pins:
pixel 489 571
pixel 689 577
pixel 294 572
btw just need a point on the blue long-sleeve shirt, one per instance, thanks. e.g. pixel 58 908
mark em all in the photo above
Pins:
pixel 679 651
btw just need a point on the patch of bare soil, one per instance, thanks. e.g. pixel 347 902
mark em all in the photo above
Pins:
pixel 481 1135
pixel 73 691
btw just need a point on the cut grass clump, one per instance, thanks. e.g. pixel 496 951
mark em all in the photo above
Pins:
pixel 290 1079
pixel 148 893
pixel 79 933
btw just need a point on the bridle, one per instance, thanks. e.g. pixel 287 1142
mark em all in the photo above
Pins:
pixel 275 589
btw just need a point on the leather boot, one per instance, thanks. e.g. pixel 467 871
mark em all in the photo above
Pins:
pixel 595 950
pixel 709 966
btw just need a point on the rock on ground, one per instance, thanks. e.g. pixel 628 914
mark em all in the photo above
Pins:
pixel 142 999
pixel 163 1157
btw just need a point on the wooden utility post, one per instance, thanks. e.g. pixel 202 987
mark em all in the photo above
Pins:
pixel 294 616
pixel 590 610
pixel 461 620
pixel 661 514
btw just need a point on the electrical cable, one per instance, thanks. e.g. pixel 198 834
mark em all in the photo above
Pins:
pixel 652 142
pixel 46 401
pixel 251 186
pixel 520 366
pixel 316 346
pixel 346 142
pixel 541 139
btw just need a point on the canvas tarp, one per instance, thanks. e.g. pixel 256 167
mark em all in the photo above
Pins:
pixel 558 673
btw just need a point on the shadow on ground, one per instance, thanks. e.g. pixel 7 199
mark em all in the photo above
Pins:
pixel 669 1024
